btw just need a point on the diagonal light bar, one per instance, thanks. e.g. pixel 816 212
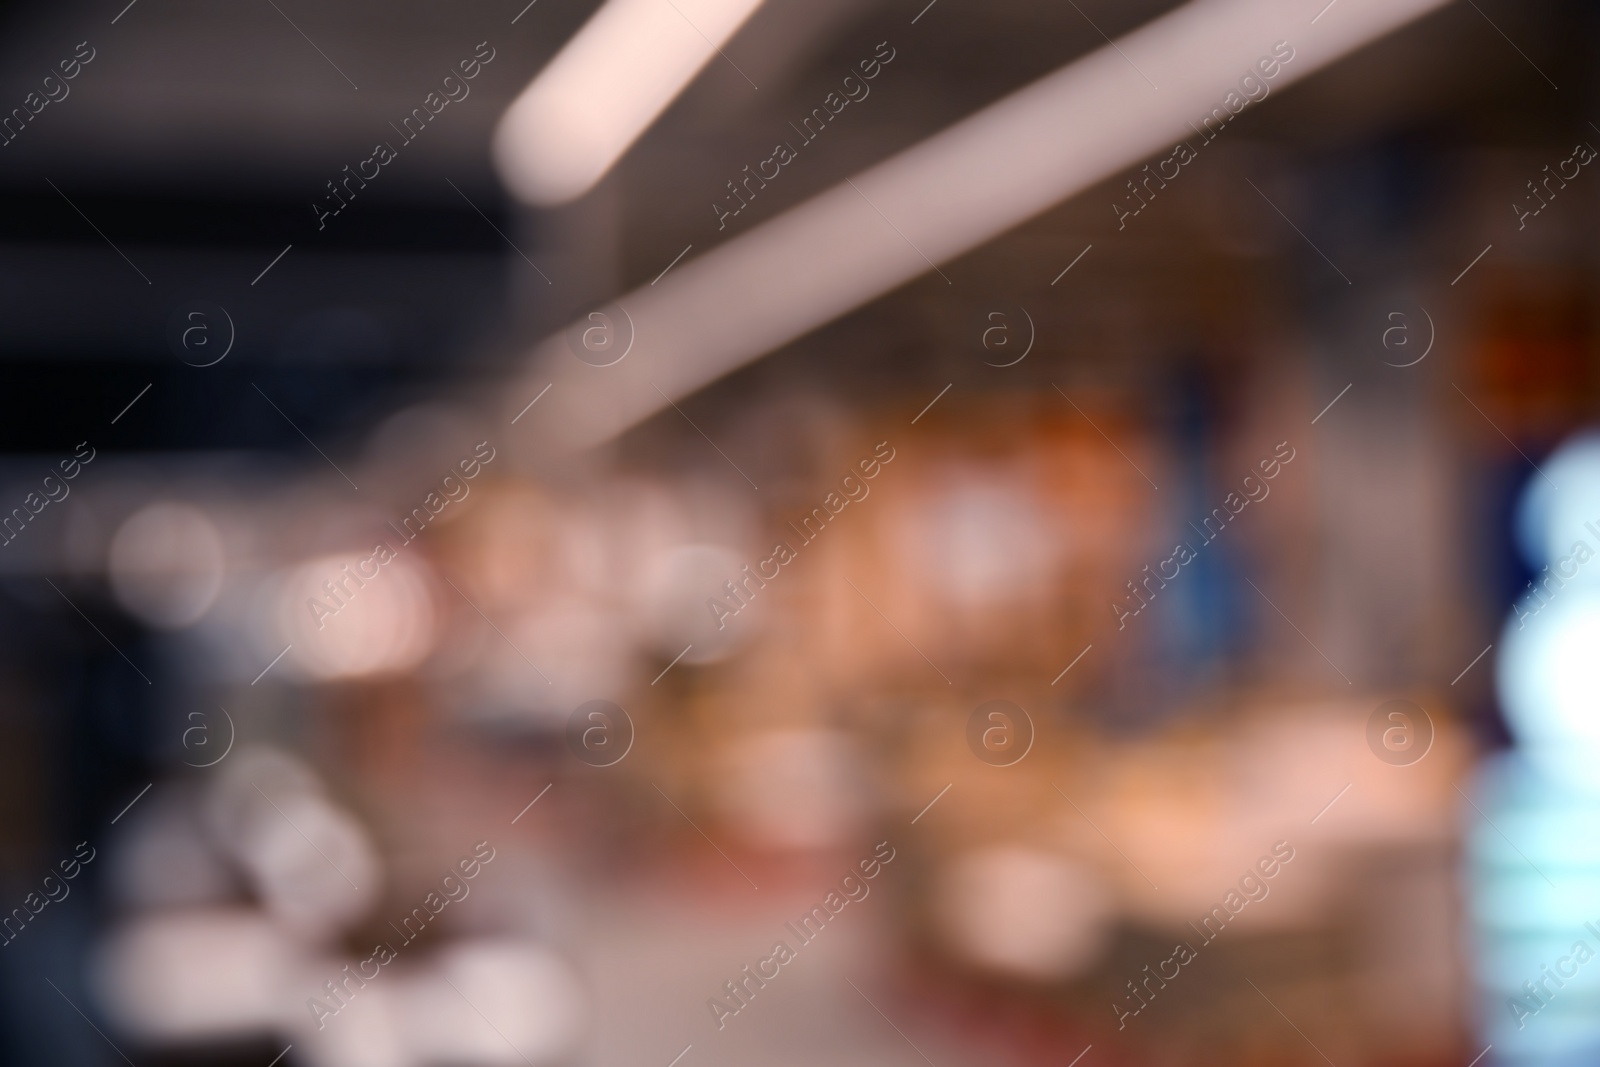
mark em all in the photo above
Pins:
pixel 932 202
pixel 604 88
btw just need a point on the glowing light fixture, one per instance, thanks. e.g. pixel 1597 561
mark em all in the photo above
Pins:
pixel 604 89
pixel 1549 679
pixel 380 621
pixel 1549 682
pixel 1531 855
pixel 1550 521
pixel 926 205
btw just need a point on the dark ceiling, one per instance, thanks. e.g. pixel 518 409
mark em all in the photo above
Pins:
pixel 190 150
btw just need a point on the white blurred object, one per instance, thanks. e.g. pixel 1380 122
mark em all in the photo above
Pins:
pixel 194 975
pixel 604 88
pixel 1023 911
pixel 311 863
pixel 494 1004
pixel 1549 683
pixel 166 564
pixel 384 625
pixel 1532 899
pixel 1549 676
pixel 981 538
pixel 578 643
pixel 794 789
pixel 929 204
pixel 1550 521
pixel 368 1030
pixel 673 601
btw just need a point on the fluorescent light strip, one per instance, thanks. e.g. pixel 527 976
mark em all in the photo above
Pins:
pixel 938 199
pixel 604 88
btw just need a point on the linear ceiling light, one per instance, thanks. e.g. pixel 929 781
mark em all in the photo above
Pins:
pixel 604 88
pixel 930 203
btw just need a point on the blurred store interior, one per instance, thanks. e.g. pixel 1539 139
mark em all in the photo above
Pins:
pixel 1160 640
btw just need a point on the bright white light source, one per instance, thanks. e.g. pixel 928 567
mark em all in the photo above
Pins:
pixel 1549 522
pixel 360 614
pixel 166 564
pixel 604 89
pixel 1549 682
pixel 930 203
